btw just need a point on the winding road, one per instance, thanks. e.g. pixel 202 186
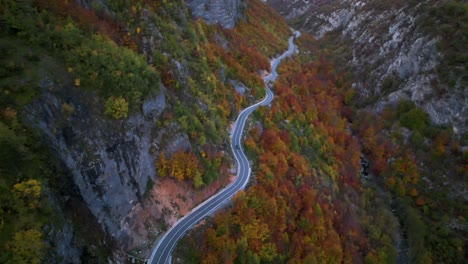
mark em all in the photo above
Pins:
pixel 163 250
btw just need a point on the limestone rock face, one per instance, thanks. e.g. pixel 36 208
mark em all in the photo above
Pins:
pixel 222 12
pixel 384 41
pixel 110 161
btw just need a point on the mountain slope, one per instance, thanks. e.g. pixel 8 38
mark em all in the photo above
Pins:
pixel 414 152
pixel 308 202
pixel 115 115
pixel 131 102
pixel 395 50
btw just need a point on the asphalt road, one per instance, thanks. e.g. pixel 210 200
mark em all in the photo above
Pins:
pixel 163 250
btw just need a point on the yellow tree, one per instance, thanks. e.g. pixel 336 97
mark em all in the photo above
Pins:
pixel 26 247
pixel 28 191
pixel 161 164
pixel 117 107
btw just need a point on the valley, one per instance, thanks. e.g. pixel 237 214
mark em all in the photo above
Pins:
pixel 126 125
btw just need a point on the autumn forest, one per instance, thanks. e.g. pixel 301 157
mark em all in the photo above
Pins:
pixel 333 179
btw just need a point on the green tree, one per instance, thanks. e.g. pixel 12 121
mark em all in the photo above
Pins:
pixel 198 180
pixel 414 119
pixel 268 252
pixel 117 107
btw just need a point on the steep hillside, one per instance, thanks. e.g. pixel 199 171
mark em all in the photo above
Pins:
pixel 395 50
pixel 334 184
pixel 403 66
pixel 115 117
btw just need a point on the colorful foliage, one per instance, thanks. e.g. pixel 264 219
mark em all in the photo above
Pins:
pixel 289 215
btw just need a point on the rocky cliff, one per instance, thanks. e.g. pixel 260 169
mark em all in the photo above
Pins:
pixel 110 161
pixel 391 51
pixel 222 12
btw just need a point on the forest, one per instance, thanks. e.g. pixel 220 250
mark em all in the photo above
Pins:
pixel 99 53
pixel 333 182
pixel 307 175
pixel 310 202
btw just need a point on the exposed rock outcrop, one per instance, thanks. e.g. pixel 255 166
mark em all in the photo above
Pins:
pixel 222 12
pixel 111 162
pixel 387 50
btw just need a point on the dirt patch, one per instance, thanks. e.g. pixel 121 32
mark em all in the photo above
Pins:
pixel 168 201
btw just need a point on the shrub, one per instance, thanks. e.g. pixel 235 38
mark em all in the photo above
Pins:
pixel 417 140
pixel 415 119
pixel 390 84
pixel 411 116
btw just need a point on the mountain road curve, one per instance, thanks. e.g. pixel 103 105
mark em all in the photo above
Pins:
pixel 162 252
